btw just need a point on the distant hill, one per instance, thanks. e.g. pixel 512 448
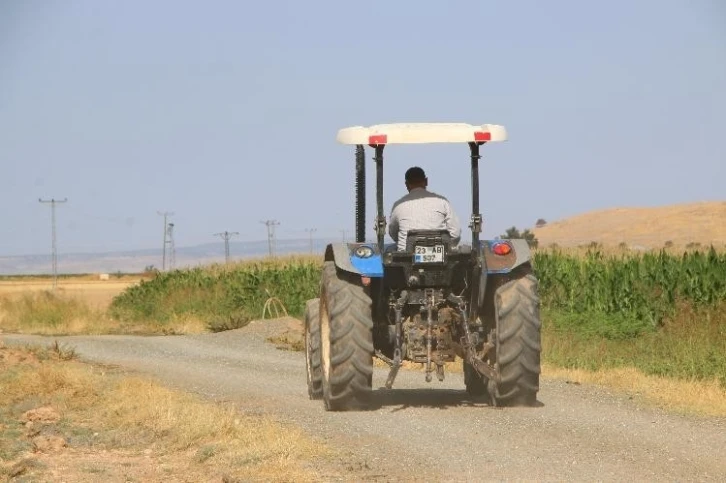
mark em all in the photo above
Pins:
pixel 136 260
pixel 703 222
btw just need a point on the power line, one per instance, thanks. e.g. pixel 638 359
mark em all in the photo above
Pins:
pixel 165 214
pixel 271 244
pixel 54 255
pixel 172 247
pixel 311 231
pixel 226 236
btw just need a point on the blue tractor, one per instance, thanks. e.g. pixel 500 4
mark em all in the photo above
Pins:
pixel 429 304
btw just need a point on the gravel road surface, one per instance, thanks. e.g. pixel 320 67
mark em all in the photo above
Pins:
pixel 422 431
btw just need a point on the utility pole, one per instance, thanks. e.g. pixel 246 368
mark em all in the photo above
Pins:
pixel 54 255
pixel 271 224
pixel 226 236
pixel 165 214
pixel 172 247
pixel 343 232
pixel 311 231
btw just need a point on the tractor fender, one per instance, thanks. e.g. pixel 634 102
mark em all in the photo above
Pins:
pixel 518 255
pixel 498 266
pixel 360 258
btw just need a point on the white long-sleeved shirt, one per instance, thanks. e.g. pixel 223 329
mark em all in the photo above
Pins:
pixel 421 209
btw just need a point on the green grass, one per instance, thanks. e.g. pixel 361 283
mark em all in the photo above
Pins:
pixel 224 296
pixel 691 345
pixel 664 314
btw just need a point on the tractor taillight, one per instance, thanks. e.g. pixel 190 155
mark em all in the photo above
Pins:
pixel 502 248
pixel 482 136
pixel 377 139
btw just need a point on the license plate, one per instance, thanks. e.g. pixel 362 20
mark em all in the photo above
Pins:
pixel 434 254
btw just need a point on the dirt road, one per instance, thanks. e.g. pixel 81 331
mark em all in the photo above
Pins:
pixel 429 432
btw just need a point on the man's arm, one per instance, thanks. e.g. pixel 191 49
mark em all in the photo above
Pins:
pixel 393 226
pixel 452 224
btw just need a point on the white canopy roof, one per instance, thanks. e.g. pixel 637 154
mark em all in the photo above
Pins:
pixel 420 133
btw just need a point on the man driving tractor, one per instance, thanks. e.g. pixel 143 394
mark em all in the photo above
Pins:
pixel 427 302
pixel 421 209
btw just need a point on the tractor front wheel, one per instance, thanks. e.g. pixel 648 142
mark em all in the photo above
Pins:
pixel 312 349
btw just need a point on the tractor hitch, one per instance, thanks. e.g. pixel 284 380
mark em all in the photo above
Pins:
pixel 395 363
pixel 470 354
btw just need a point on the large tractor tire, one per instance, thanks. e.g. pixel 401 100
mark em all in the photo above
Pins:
pixel 346 338
pixel 312 349
pixel 518 342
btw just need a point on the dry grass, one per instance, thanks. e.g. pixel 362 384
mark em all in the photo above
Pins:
pixel 129 427
pixel 146 414
pixel 687 397
pixel 650 227
pixel 58 313
pixel 46 312
pixel 64 279
pixel 77 306
pixel 96 293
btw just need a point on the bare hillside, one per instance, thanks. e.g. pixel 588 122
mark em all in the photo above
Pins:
pixel 703 222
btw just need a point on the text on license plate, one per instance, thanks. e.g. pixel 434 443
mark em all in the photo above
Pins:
pixel 432 254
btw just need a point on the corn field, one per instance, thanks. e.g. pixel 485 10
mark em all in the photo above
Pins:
pixel 643 287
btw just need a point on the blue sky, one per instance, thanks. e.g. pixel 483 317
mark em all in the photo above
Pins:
pixel 226 112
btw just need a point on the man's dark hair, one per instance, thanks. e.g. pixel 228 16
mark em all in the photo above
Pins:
pixel 415 174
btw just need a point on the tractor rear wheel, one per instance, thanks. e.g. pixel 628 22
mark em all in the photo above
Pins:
pixel 346 338
pixel 312 349
pixel 518 341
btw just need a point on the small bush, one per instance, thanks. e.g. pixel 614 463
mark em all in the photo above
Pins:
pixel 227 296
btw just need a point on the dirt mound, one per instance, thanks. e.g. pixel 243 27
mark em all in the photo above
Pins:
pixel 43 415
pixel 647 227
pixel 273 327
pixel 286 333
pixel 10 356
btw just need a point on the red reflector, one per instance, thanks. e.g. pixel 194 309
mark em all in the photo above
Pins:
pixel 366 281
pixel 482 136
pixel 378 139
pixel 502 249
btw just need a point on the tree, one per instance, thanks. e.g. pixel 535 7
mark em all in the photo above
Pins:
pixel 511 233
pixel 514 233
pixel 531 239
pixel 540 223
